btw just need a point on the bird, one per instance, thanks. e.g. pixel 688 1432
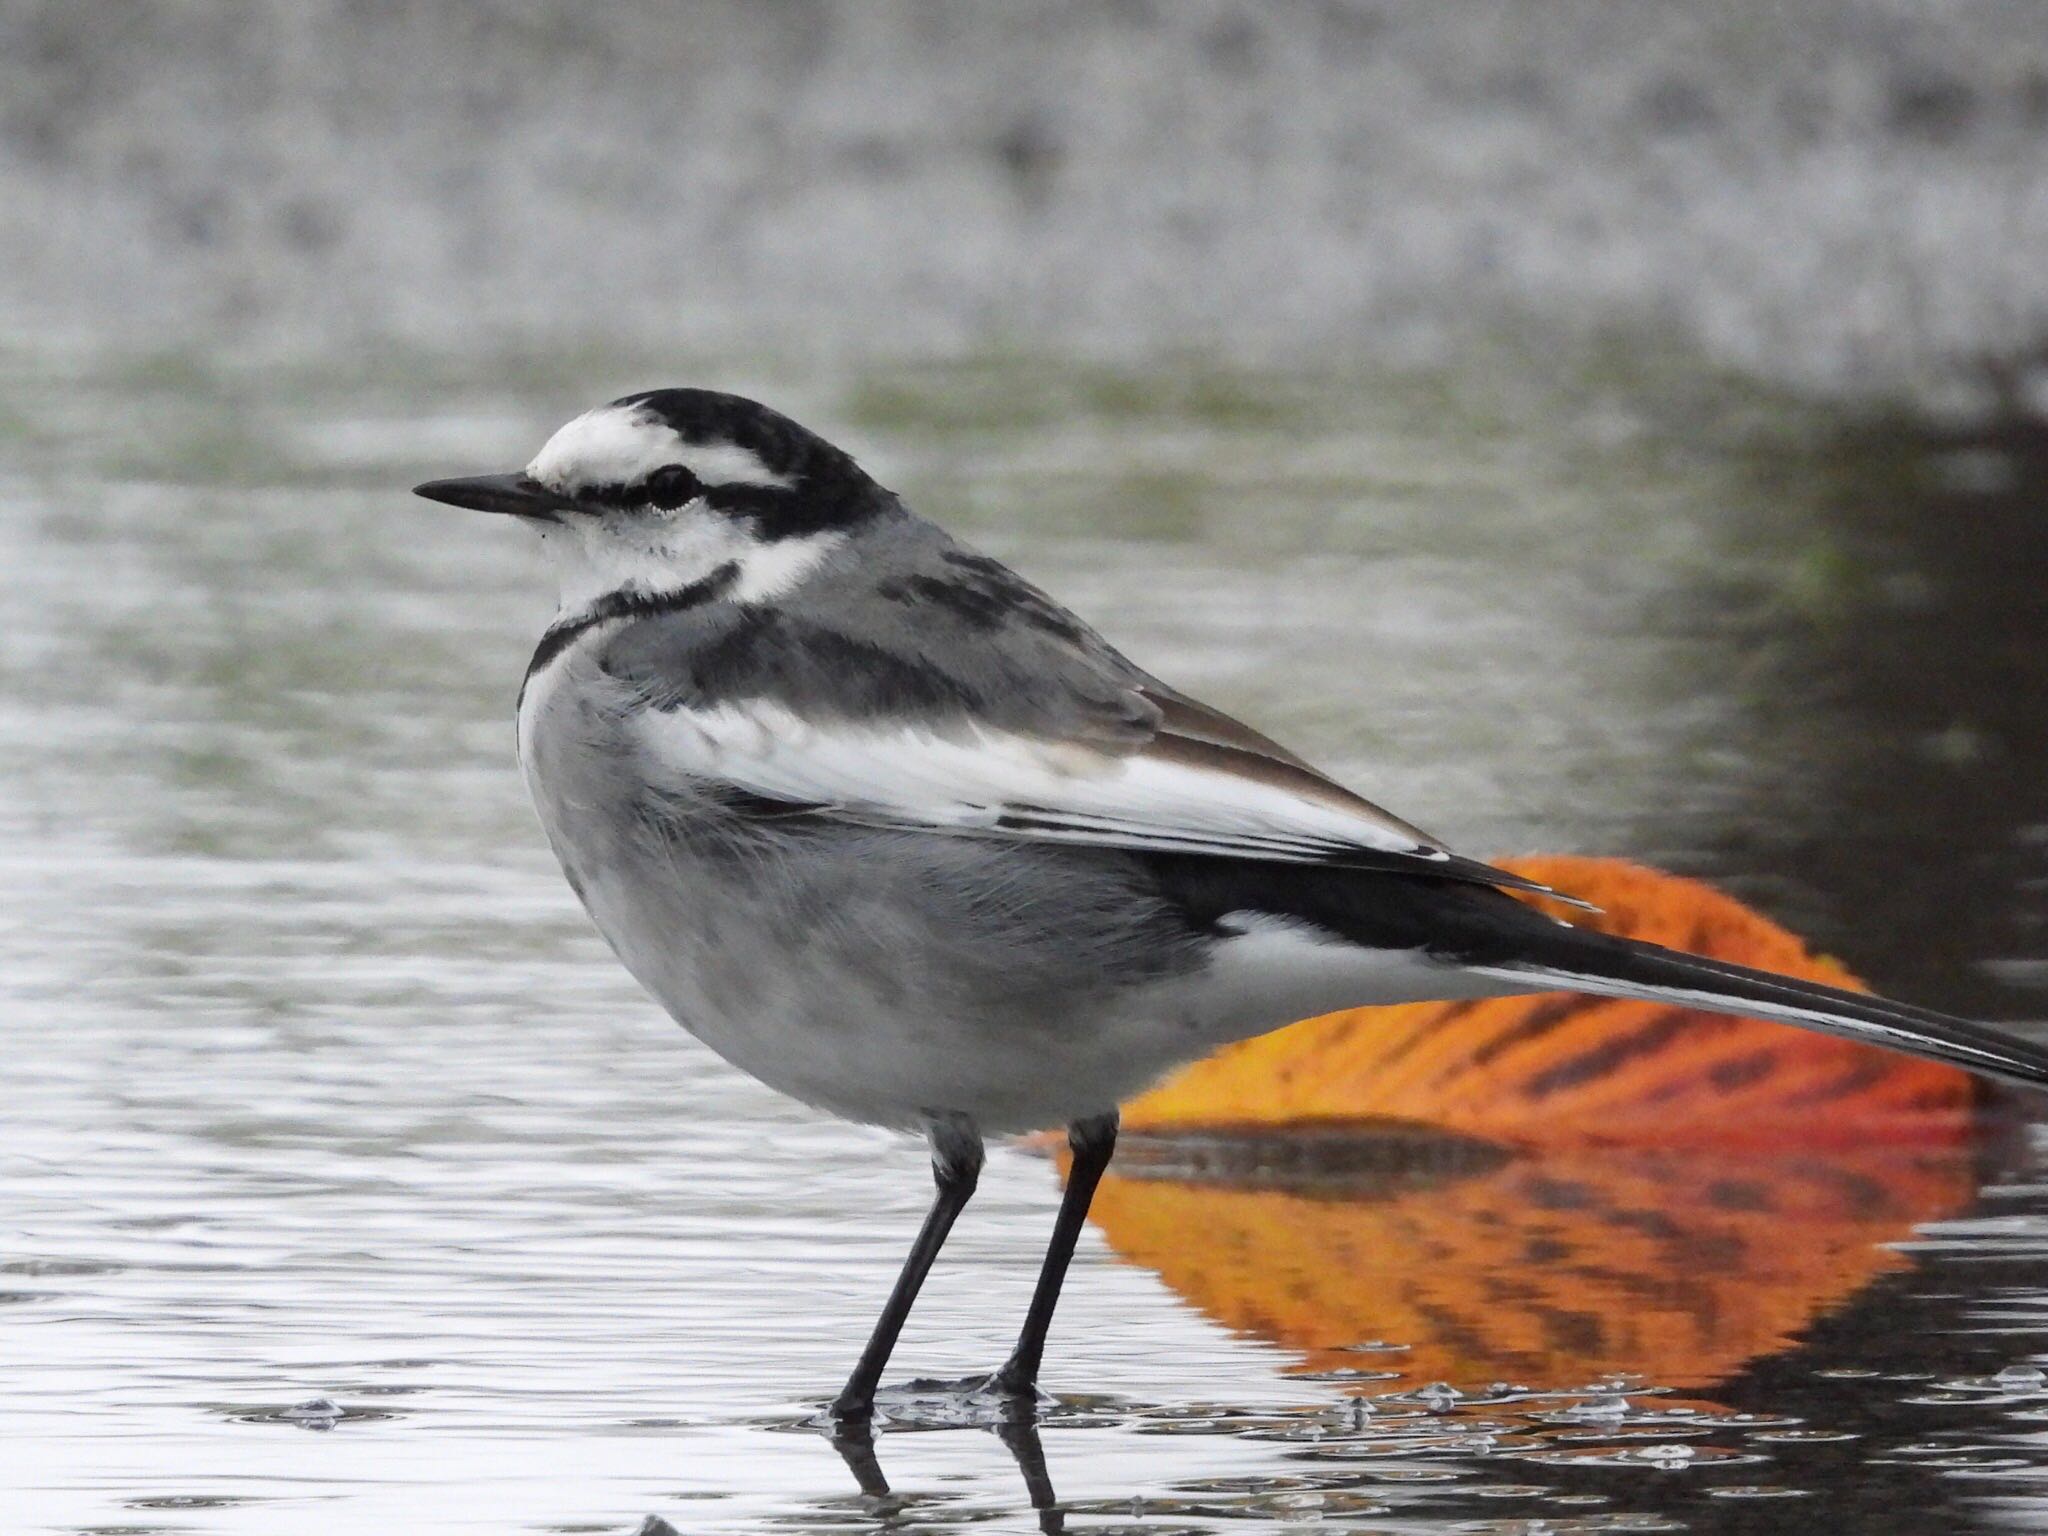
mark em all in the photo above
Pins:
pixel 895 832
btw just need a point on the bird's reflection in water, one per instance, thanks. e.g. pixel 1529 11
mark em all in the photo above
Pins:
pixel 1016 1428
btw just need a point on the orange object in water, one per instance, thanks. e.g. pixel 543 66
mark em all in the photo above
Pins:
pixel 1556 1266
pixel 1564 1068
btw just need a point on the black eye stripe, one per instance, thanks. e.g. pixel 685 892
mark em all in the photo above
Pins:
pixel 668 487
pixel 773 511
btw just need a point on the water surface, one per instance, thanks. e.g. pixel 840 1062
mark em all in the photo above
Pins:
pixel 347 1185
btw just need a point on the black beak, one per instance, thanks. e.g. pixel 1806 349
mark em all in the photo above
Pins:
pixel 497 493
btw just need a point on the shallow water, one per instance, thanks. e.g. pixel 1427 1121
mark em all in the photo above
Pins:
pixel 347 1185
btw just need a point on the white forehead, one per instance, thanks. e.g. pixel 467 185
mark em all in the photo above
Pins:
pixel 622 444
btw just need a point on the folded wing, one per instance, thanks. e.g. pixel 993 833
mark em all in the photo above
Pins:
pixel 1199 784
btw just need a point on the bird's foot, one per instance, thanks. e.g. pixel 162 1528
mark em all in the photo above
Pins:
pixel 935 1403
pixel 1014 1389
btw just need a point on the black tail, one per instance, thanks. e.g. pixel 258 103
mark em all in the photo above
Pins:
pixel 1575 960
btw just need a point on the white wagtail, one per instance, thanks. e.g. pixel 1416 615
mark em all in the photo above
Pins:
pixel 890 829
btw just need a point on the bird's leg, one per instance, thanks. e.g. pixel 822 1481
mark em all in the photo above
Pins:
pixel 956 1167
pixel 1094 1143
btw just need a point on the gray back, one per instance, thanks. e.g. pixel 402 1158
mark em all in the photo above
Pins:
pixel 902 622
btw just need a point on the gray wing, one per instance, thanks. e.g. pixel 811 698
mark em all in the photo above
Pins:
pixel 930 687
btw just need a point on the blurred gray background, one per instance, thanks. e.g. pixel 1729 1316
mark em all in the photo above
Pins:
pixel 1848 194
pixel 1601 426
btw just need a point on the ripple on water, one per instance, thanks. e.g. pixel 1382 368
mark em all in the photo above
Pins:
pixel 318 1414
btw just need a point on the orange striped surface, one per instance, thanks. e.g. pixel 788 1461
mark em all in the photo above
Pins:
pixel 1561 1068
pixel 1548 1268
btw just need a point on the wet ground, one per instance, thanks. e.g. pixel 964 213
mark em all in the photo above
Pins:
pixel 347 1185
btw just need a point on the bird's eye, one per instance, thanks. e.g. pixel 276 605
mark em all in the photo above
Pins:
pixel 671 486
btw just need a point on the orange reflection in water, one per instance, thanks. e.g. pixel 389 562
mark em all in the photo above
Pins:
pixel 1582 1187
pixel 1552 1268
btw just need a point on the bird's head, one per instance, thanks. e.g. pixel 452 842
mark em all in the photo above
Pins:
pixel 661 489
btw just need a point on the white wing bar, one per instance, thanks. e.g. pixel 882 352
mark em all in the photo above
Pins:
pixel 991 782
